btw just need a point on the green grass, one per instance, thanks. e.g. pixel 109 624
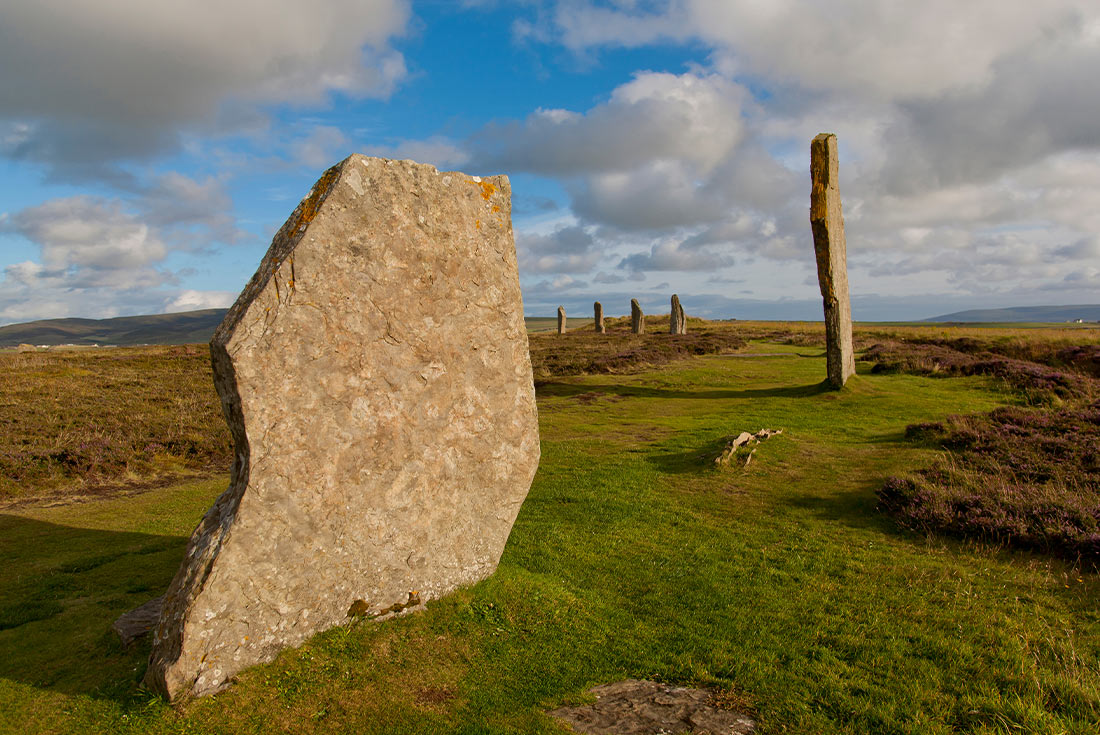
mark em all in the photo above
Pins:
pixel 632 557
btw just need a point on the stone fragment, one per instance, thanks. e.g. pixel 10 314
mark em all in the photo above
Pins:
pixel 743 446
pixel 561 320
pixel 637 318
pixel 376 379
pixel 598 322
pixel 827 223
pixel 640 707
pixel 677 322
pixel 139 621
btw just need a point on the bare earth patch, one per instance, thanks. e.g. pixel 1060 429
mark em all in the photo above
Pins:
pixel 638 707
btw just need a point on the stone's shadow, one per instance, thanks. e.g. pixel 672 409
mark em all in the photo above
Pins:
pixel 545 389
pixel 61 589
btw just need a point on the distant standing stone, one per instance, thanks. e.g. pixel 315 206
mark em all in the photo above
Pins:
pixel 827 223
pixel 598 322
pixel 677 323
pixel 376 378
pixel 637 318
pixel 561 320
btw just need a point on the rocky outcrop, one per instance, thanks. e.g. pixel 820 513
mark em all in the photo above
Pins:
pixel 827 223
pixel 376 379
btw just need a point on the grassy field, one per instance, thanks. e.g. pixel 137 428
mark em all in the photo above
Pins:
pixel 777 584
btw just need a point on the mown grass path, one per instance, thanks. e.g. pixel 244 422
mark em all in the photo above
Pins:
pixel 632 557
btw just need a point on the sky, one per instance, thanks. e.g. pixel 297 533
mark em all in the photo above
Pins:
pixel 150 151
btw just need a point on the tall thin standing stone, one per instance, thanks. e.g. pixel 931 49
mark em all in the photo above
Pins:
pixel 827 223
pixel 598 308
pixel 677 324
pixel 637 318
pixel 561 320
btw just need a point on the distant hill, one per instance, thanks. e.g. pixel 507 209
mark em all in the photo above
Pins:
pixel 1088 312
pixel 183 328
pixel 154 329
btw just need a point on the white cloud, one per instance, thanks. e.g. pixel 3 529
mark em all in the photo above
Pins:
pixel 97 258
pixel 106 80
pixel 191 300
pixel 568 249
pixel 668 255
pixel 690 118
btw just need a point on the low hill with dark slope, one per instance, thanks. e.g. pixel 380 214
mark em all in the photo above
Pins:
pixel 154 329
pixel 189 327
pixel 1049 314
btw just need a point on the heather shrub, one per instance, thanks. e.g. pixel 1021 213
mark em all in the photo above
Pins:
pixel 1023 477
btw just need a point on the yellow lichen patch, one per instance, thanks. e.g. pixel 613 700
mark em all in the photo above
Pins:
pixel 487 189
pixel 477 224
pixel 496 208
pixel 307 210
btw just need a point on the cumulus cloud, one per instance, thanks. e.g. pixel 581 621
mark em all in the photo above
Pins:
pixel 671 256
pixel 111 80
pixel 99 257
pixel 568 249
pixel 656 116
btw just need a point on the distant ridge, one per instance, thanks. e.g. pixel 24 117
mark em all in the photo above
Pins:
pixel 155 329
pixel 182 328
pixel 1087 312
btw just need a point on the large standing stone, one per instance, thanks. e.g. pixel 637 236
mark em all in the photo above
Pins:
pixel 561 320
pixel 677 322
pixel 598 321
pixel 637 318
pixel 376 378
pixel 827 223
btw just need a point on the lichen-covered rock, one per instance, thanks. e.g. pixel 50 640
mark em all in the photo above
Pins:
pixel 827 223
pixel 561 320
pixel 597 307
pixel 637 318
pixel 376 379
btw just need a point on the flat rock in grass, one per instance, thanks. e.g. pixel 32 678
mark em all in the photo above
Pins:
pixel 638 707
pixel 376 378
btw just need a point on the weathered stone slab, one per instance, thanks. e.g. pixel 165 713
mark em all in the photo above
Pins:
pixel 376 379
pixel 637 318
pixel 139 621
pixel 827 223
pixel 640 707
pixel 561 320
pixel 677 322
pixel 597 307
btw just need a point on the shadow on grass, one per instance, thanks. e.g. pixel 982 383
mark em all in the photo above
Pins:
pixel 60 590
pixel 567 390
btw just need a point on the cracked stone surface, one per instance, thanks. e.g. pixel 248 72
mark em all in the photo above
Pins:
pixel 830 247
pixel 376 379
pixel 639 707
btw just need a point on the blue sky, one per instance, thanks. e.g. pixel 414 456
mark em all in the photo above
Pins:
pixel 148 152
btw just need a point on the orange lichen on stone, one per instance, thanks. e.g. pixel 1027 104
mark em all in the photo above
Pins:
pixel 487 189
pixel 309 207
pixel 496 208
